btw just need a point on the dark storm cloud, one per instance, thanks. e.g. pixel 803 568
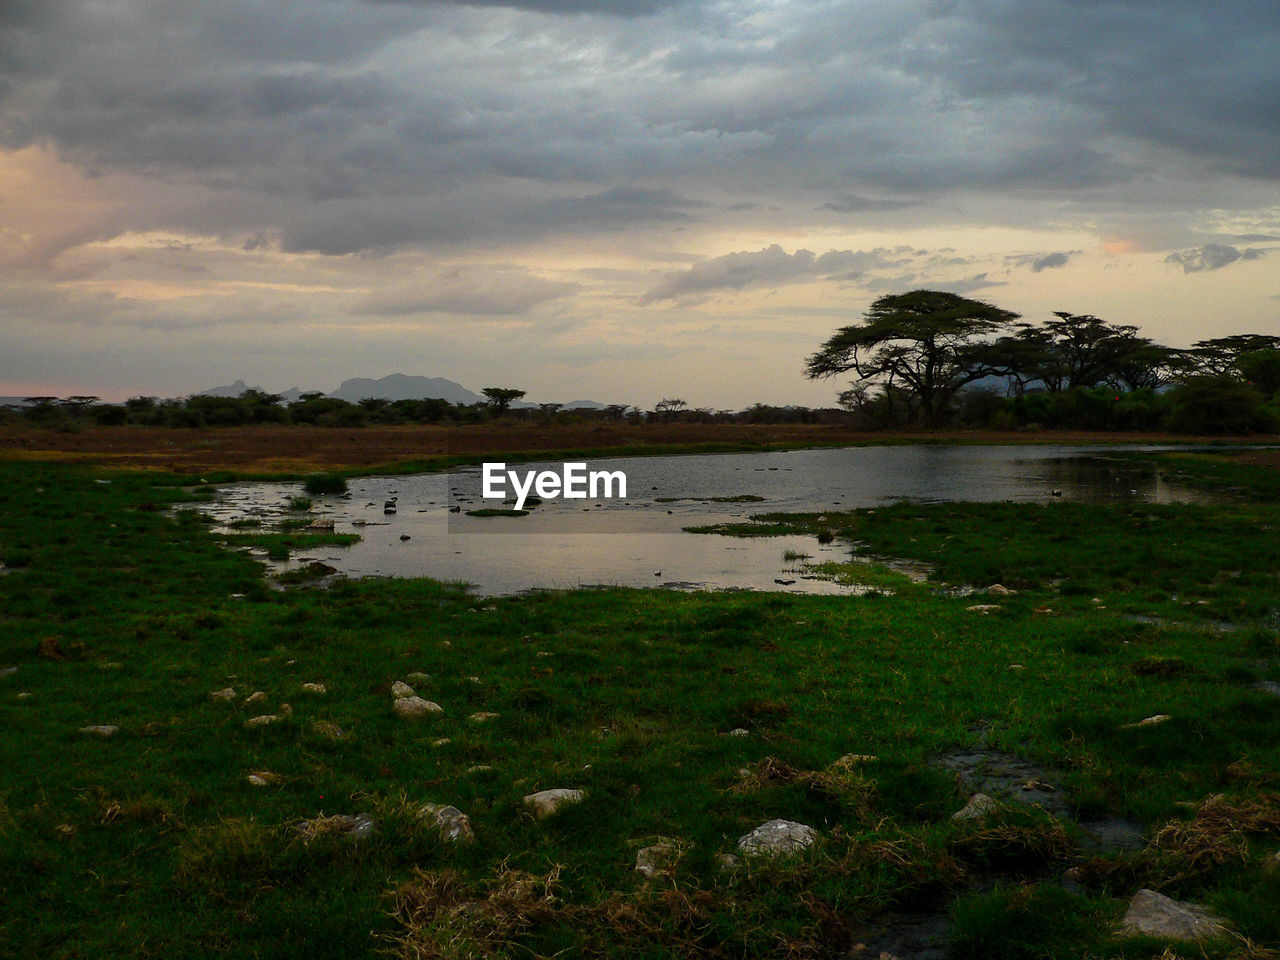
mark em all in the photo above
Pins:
pixel 619 8
pixel 345 126
pixel 773 266
pixel 1212 256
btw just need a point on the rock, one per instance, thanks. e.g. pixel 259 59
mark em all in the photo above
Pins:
pixel 226 693
pixel 454 825
pixel 480 768
pixel 482 716
pixel 418 677
pixel 546 802
pixel 777 838
pixel 402 689
pixel 329 730
pixel 357 827
pixel 262 721
pixel 727 862
pixel 442 742
pixel 979 805
pixel 1152 914
pixel 314 688
pixel 321 523
pixel 256 697
pixel 738 732
pixel 101 730
pixel 1147 722
pixel 286 710
pixel 983 608
pixel 262 778
pixel 416 707
pixel 657 859
pixel 1000 590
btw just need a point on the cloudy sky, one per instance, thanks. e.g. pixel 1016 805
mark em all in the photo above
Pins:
pixel 621 200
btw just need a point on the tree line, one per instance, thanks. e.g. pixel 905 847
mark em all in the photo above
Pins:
pixel 933 358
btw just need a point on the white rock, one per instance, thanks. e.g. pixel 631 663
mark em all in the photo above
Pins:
pixel 1152 914
pixel 979 805
pixel 101 730
pixel 983 608
pixel 416 707
pixel 442 742
pixel 321 523
pixel 738 732
pixel 777 838
pixel 401 689
pixel 656 859
pixel 256 697
pixel 1147 722
pixel 454 825
pixel 262 778
pixel 262 721
pixel 226 693
pixel 546 802
pixel 314 688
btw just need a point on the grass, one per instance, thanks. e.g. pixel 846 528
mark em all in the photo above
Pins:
pixel 153 841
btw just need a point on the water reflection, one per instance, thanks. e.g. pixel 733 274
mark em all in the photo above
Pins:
pixel 638 541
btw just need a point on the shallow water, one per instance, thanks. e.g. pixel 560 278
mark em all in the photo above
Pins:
pixel 638 540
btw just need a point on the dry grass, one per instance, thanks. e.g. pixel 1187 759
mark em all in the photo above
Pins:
pixel 1218 833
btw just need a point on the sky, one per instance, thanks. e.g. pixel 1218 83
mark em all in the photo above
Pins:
pixel 620 200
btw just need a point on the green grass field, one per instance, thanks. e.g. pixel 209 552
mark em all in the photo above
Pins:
pixel 153 841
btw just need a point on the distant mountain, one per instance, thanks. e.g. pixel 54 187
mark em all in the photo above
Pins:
pixel 234 390
pixel 398 386
pixel 13 401
pixel 583 405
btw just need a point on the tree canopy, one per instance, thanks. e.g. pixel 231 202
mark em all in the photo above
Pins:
pixel 926 340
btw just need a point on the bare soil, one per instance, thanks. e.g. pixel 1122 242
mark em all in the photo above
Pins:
pixel 285 449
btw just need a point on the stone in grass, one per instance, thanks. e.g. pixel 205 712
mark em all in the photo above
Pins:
pixel 1000 590
pixel 1147 722
pixel 329 730
pixel 482 716
pixel 411 707
pixel 265 720
pixel 314 688
pixel 401 689
pixel 1152 914
pixel 262 778
pixel 101 730
pixel 983 608
pixel 980 805
pixel 358 827
pixel 226 693
pixel 546 802
pixel 256 697
pixel 738 732
pixel 453 824
pixel 777 838
pixel 656 859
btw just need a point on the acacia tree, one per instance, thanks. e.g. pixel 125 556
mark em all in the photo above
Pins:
pixel 927 341
pixel 502 397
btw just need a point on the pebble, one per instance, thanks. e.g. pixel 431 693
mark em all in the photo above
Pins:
pixel 101 730
pixel 416 707
pixel 546 802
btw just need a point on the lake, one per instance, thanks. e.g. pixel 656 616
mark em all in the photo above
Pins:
pixel 637 541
